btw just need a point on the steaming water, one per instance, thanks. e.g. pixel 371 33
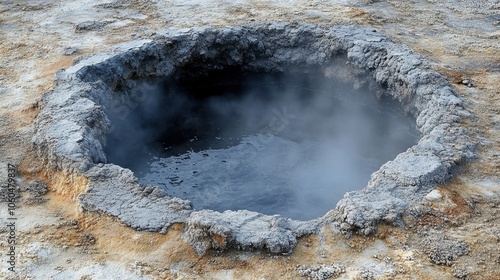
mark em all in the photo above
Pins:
pixel 287 143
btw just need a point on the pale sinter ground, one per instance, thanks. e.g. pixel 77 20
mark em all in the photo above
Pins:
pixel 57 241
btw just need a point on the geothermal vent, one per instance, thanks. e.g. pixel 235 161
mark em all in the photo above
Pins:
pixel 290 142
pixel 251 135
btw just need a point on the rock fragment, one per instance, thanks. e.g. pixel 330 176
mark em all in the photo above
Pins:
pixel 444 250
pixel 321 272
pixel 36 189
pixel 90 26
pixel 70 51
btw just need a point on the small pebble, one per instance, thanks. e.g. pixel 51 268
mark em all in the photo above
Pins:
pixel 70 51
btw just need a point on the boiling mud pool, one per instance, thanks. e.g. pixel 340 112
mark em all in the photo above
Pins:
pixel 277 143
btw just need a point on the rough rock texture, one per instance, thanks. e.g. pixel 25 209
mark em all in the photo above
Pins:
pixel 321 272
pixel 36 189
pixel 444 250
pixel 90 26
pixel 115 191
pixel 71 127
pixel 208 229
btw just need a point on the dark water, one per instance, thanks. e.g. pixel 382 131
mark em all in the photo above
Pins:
pixel 276 143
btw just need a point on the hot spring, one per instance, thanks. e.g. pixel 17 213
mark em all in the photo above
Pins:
pixel 220 129
pixel 289 142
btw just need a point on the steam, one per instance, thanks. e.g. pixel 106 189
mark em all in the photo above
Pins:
pixel 278 143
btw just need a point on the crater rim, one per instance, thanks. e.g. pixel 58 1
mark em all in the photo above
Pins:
pixel 71 126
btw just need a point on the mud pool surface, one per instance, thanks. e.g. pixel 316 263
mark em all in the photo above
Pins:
pixel 271 143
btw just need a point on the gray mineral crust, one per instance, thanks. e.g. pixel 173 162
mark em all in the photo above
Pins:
pixel 444 250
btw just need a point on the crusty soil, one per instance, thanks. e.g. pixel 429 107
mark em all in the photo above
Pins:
pixel 57 239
